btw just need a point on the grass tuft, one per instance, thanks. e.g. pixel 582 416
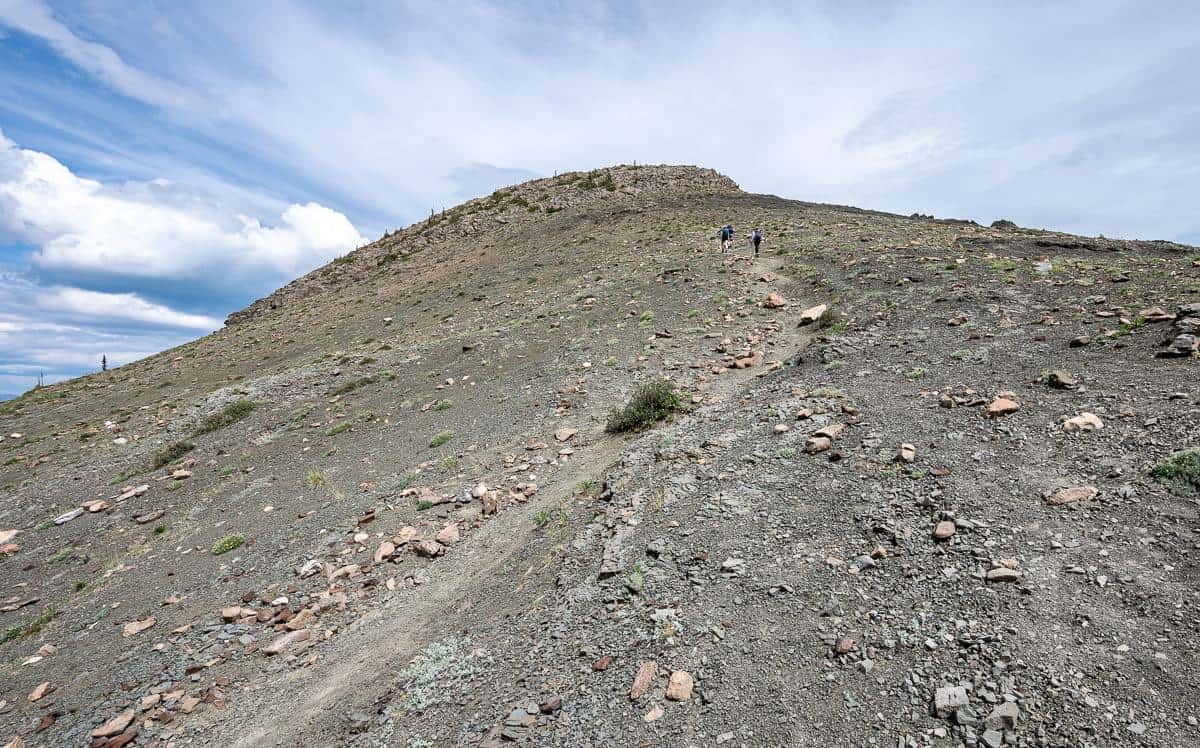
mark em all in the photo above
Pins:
pixel 228 543
pixel 1180 472
pixel 653 402
pixel 171 453
pixel 227 416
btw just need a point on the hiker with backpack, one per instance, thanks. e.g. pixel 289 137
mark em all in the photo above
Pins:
pixel 756 237
pixel 726 237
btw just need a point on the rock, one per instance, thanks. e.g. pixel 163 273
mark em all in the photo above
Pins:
pixel 643 679
pixel 602 663
pixel 1083 422
pixel 817 444
pixel 550 705
pixel 429 549
pixel 1071 495
pixel 300 620
pixel 1003 574
pixel 145 518
pixel 1004 716
pixel 63 519
pixel 479 490
pixel 775 301
pixel 281 643
pixel 949 698
pixel 40 691
pixel 680 685
pixel 96 505
pixel 1080 341
pixel 189 704
pixel 563 435
pixel 181 474
pixel 385 551
pixel 944 530
pixel 1156 314
pixel 1061 379
pixel 993 739
pixel 1002 406
pixel 655 713
pixel 1181 347
pixel 490 503
pixel 7 535
pixel 844 645
pixel 114 726
pixel 310 567
pixel 448 534
pixel 136 627
pixel 812 314
pixel 906 453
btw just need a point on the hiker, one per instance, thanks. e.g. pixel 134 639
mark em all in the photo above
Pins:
pixel 726 237
pixel 756 239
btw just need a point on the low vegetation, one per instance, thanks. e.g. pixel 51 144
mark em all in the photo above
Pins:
pixel 441 438
pixel 1180 472
pixel 228 543
pixel 227 416
pixel 653 402
pixel 171 453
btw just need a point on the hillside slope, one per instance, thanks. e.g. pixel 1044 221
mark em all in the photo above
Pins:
pixel 380 506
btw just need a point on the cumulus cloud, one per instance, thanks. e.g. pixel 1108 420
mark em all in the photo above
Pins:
pixel 154 229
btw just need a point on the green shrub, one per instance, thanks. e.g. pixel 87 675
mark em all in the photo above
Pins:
pixel 339 428
pixel 441 438
pixel 1179 472
pixel 652 402
pixel 227 416
pixel 171 453
pixel 228 543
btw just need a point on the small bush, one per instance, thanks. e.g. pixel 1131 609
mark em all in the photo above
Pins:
pixel 171 453
pixel 1179 472
pixel 441 438
pixel 315 477
pixel 652 402
pixel 339 428
pixel 227 416
pixel 228 543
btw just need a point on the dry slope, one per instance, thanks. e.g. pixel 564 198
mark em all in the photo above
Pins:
pixel 380 507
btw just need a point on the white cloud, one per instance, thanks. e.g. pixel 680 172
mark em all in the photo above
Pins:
pixel 37 19
pixel 60 330
pixel 155 229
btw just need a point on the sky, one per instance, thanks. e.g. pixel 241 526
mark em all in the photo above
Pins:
pixel 163 163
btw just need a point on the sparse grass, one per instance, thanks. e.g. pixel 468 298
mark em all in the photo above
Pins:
pixel 23 631
pixel 542 518
pixel 444 405
pixel 646 319
pixel 786 453
pixel 338 428
pixel 916 373
pixel 653 402
pixel 351 386
pixel 228 543
pixel 961 354
pixel 315 477
pixel 449 462
pixel 441 438
pixel 438 674
pixel 171 453
pixel 227 416
pixel 424 504
pixel 1180 472
pixel 1127 328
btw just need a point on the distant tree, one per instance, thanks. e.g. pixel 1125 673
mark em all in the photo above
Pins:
pixel 104 363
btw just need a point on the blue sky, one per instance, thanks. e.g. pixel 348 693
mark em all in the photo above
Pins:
pixel 164 163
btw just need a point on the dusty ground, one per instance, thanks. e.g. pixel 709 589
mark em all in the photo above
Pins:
pixel 804 595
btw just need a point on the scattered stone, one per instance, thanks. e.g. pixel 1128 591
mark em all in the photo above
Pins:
pixel 1004 716
pixel 114 726
pixel 136 627
pixel 1083 422
pixel 775 301
pixel 655 713
pixel 844 645
pixel 1061 379
pixel 907 453
pixel 680 685
pixel 1072 495
pixel 1080 341
pixel 429 549
pixel 643 679
pixel 563 435
pixel 1002 406
pixel 949 698
pixel 43 688
pixel 944 530
pixel 63 519
pixel 812 314
pixel 602 663
pixel 1003 574
pixel 385 551
pixel 448 534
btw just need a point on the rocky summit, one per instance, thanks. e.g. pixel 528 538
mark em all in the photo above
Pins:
pixel 550 468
